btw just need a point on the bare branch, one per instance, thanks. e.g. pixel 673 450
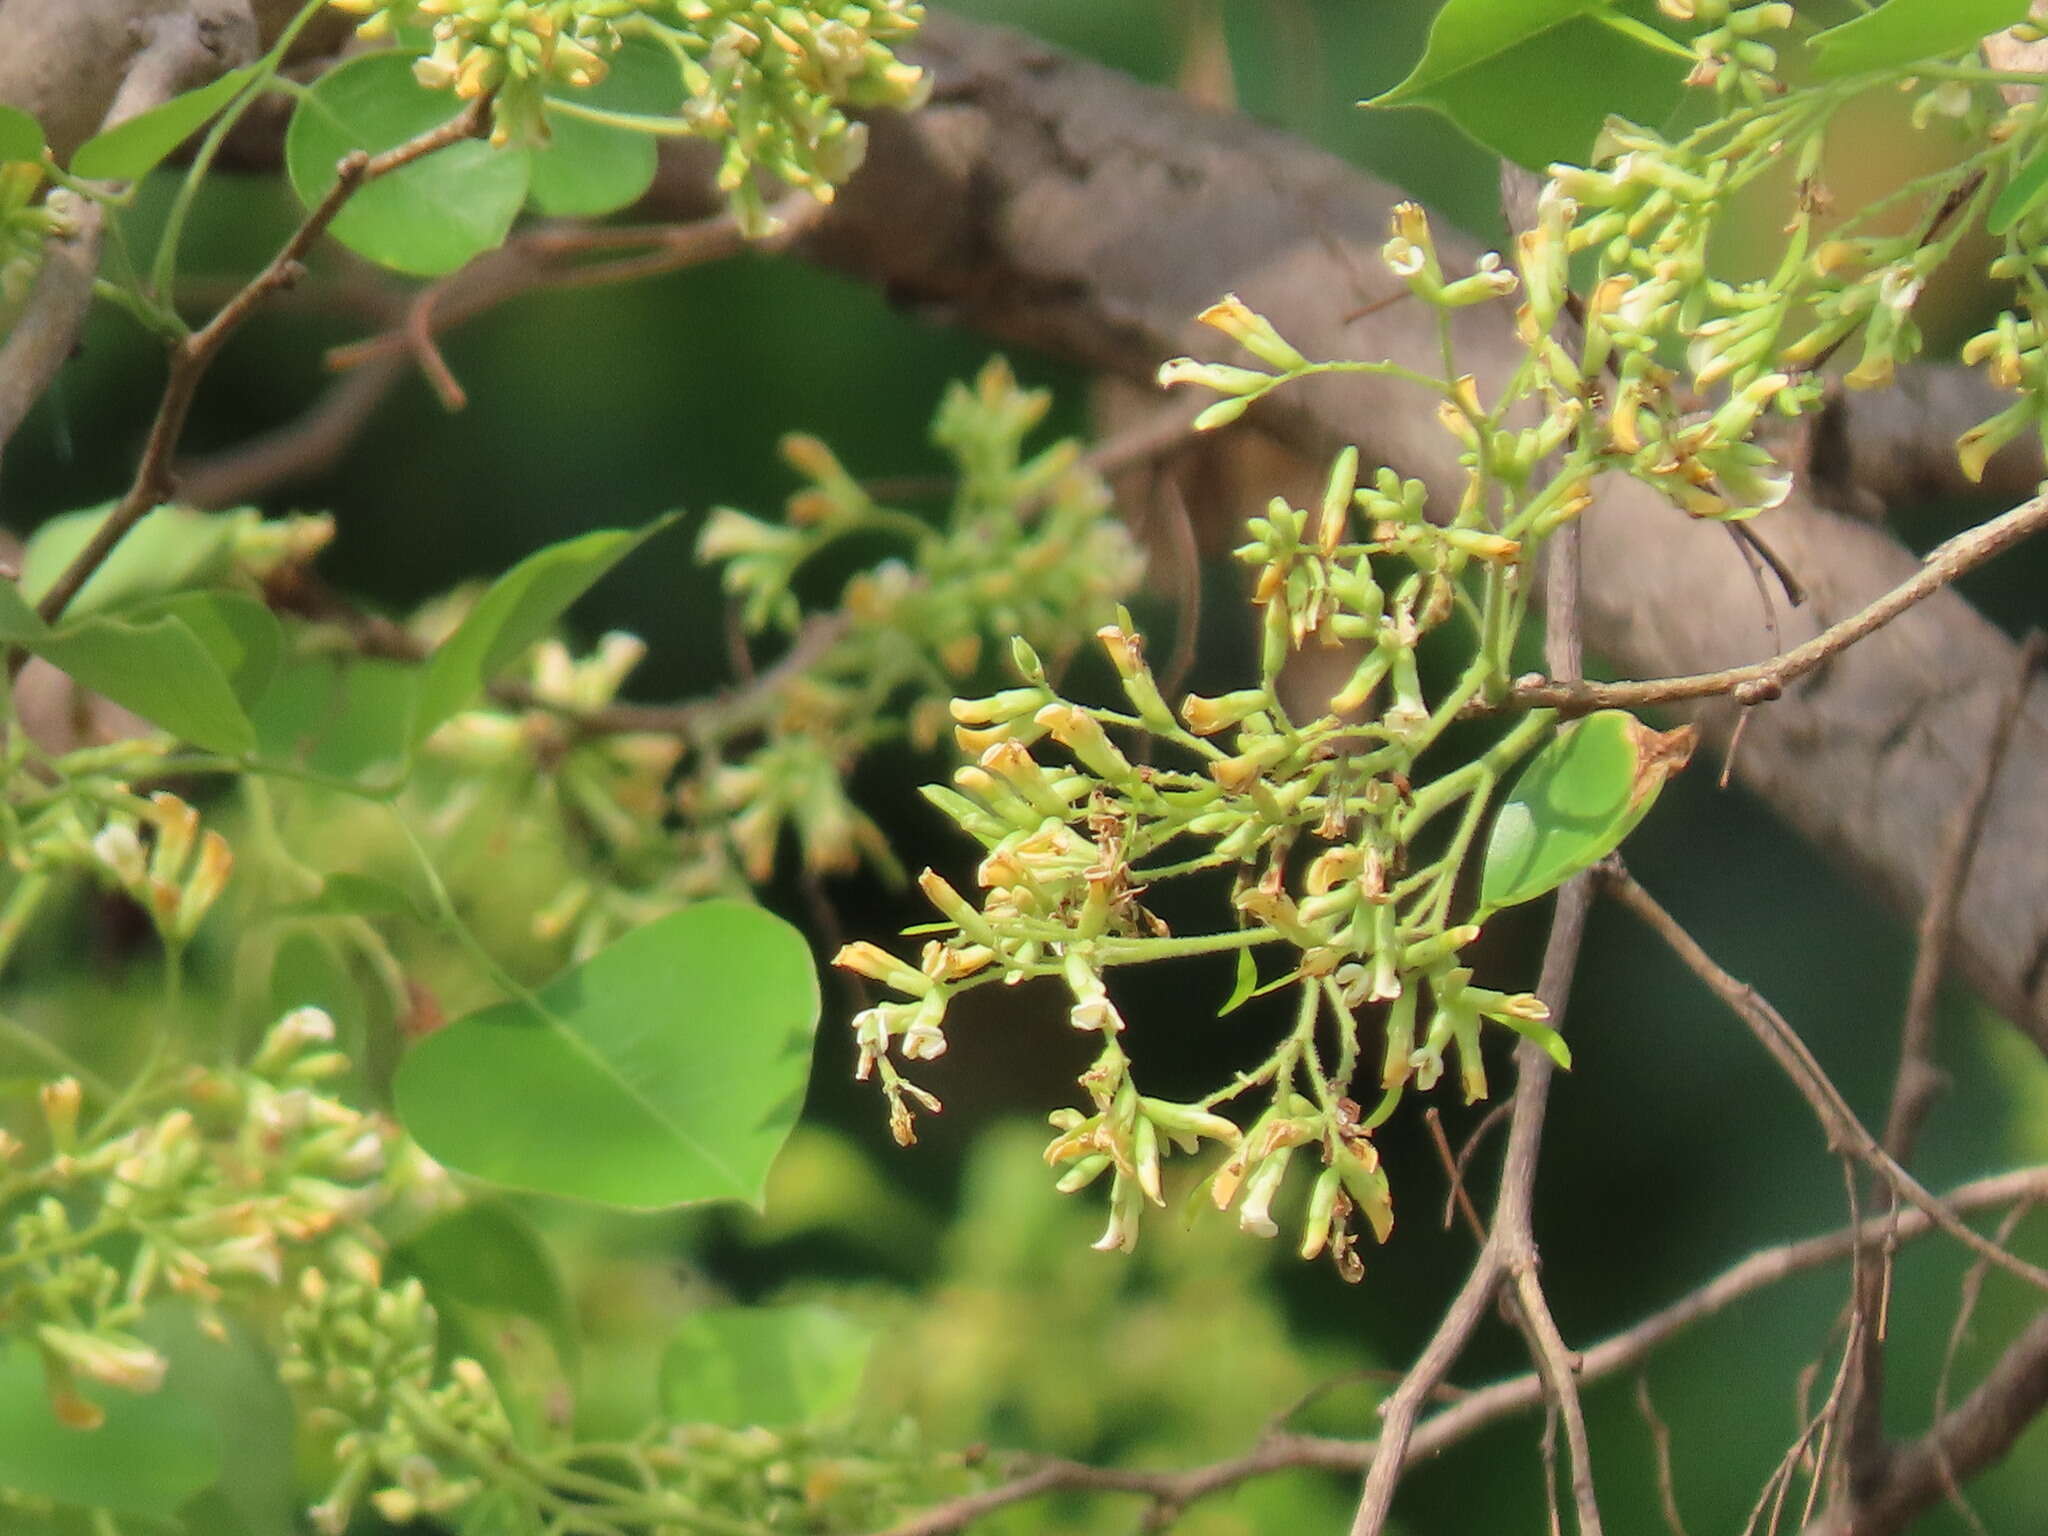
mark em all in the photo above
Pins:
pixel 1917 1081
pixel 1474 1411
pixel 179 49
pixel 1766 680
pixel 1844 1131
pixel 194 354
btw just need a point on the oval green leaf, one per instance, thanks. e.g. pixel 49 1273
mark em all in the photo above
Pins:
pixel 160 669
pixel 666 1069
pixel 153 1453
pixel 588 169
pixel 427 218
pixel 743 1366
pixel 2029 183
pixel 1575 802
pixel 241 634
pixel 21 136
pixel 232 1381
pixel 1535 80
pixel 130 151
pixel 521 606
pixel 342 716
pixel 170 550
pixel 1903 32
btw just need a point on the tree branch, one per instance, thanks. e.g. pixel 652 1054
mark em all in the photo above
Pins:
pixel 176 50
pixel 1474 1411
pixel 1760 682
pixel 1844 1131
pixel 193 354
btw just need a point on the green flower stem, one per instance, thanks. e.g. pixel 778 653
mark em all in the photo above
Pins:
pixel 1486 768
pixel 164 270
pixel 1141 951
pixel 1436 906
pixel 23 902
pixel 635 122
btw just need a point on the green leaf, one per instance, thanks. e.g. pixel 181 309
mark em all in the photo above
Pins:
pixel 153 1453
pixel 666 1069
pixel 588 169
pixel 1575 802
pixel 489 1256
pixel 160 669
pixel 519 609
pixel 19 622
pixel 2020 195
pixel 243 637
pixel 231 1381
pixel 170 550
pixel 21 136
pixel 1908 31
pixel 742 1366
pixel 1535 80
pixel 427 218
pixel 1247 982
pixel 130 151
pixel 340 716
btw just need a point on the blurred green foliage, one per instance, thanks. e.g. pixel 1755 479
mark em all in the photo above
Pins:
pixel 1674 1149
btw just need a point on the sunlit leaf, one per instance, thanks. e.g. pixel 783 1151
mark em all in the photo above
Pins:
pixel 344 716
pixel 170 550
pixel 1908 31
pixel 426 218
pixel 21 136
pixel 1246 983
pixel 2019 196
pixel 131 150
pixel 587 169
pixel 241 635
pixel 666 1069
pixel 1534 80
pixel 1575 802
pixel 154 1451
pixel 159 669
pixel 742 1366
pixel 521 606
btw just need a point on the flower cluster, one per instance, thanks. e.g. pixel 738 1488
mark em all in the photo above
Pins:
pixel 1081 810
pixel 770 82
pixel 257 1172
pixel 415 1437
pixel 1026 549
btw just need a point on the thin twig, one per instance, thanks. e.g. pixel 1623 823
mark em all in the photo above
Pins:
pixel 1660 1443
pixel 1763 680
pixel 1845 1132
pixel 193 354
pixel 543 260
pixel 1917 1082
pixel 1476 1410
pixel 1966 1308
pixel 179 53
pixel 1509 1252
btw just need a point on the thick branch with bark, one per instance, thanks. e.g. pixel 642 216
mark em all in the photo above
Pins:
pixel 1052 203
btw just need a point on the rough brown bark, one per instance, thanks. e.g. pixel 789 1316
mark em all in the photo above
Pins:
pixel 1052 203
